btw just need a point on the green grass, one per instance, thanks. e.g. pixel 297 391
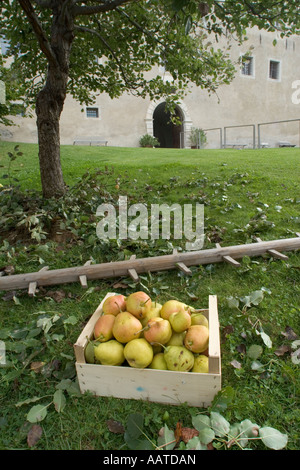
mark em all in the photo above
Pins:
pixel 245 193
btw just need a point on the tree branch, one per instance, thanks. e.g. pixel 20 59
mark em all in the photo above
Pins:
pixel 105 6
pixel 43 3
pixel 38 30
pixel 84 29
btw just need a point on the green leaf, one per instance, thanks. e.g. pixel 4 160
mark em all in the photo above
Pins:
pixel 167 437
pixel 223 398
pixel 195 444
pixel 59 400
pixel 206 435
pixel 201 422
pixel 219 424
pixel 26 402
pixel 232 302
pixel 256 297
pixel 247 430
pixel 256 365
pixel 254 351
pixel 37 413
pixel 135 423
pixel 72 320
pixel 273 438
pixel 266 338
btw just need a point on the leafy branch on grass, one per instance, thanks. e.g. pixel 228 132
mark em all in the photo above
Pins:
pixel 209 431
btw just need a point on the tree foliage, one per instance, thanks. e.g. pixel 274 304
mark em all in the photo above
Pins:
pixel 117 42
pixel 87 47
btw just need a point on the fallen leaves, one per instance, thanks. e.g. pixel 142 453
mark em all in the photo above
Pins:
pixel 34 435
pixel 115 426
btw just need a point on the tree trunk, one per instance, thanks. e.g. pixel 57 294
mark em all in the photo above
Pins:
pixel 48 111
pixel 49 106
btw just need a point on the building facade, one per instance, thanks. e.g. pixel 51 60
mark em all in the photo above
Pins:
pixel 265 90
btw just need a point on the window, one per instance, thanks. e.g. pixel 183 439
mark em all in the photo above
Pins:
pixel 247 66
pixel 92 112
pixel 274 70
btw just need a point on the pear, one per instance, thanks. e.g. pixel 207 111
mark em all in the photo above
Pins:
pixel 180 321
pixel 199 319
pixel 138 353
pixel 154 312
pixel 179 358
pixel 103 327
pixel 169 307
pixel 114 304
pixel 126 327
pixel 138 304
pixel 158 362
pixel 89 353
pixel 158 331
pixel 200 364
pixel 196 338
pixel 110 353
pixel 177 339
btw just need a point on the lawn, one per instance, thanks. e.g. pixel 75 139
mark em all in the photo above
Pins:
pixel 245 194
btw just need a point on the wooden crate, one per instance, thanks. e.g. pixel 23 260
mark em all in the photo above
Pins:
pixel 160 386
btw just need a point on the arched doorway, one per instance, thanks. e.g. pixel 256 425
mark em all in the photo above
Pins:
pixel 167 133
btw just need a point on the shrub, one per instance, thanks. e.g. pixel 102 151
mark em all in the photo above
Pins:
pixel 148 141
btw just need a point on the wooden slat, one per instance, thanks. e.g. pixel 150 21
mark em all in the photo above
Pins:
pixel 214 347
pixel 32 288
pixel 228 258
pixel 274 253
pixel 231 261
pixel 133 274
pixel 278 255
pixel 184 268
pixel 83 281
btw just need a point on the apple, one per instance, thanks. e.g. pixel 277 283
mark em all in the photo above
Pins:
pixel 158 331
pixel 199 319
pixel 196 338
pixel 171 306
pixel 158 362
pixel 114 304
pixel 103 328
pixel 126 327
pixel 110 353
pixel 138 353
pixel 200 364
pixel 180 321
pixel 138 304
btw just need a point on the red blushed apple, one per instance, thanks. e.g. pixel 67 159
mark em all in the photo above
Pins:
pixel 114 304
pixel 138 304
pixel 158 331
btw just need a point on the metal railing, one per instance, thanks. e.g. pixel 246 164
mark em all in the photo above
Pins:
pixel 273 122
pixel 239 144
pixel 223 135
